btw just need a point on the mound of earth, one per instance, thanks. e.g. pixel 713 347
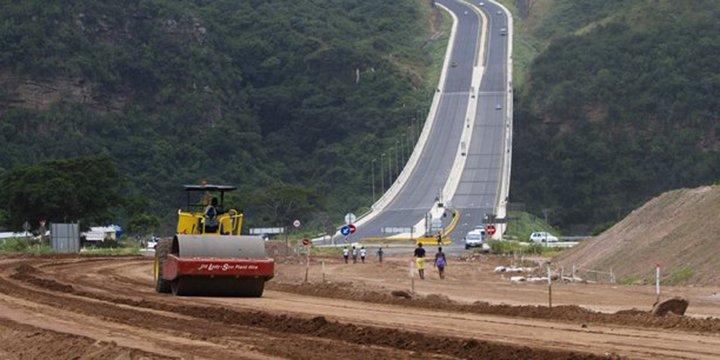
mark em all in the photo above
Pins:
pixel 680 230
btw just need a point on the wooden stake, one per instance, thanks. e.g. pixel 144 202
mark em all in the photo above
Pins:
pixel 549 274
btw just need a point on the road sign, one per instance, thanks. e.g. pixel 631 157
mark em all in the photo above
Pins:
pixel 264 231
pixel 296 223
pixel 345 230
pixel 490 229
pixel 350 218
pixel 352 228
pixel 306 241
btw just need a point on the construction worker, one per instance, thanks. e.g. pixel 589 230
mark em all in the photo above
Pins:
pixel 362 254
pixel 346 254
pixel 420 260
pixel 211 216
pixel 354 254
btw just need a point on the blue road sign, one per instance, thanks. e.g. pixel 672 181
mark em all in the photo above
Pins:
pixel 345 230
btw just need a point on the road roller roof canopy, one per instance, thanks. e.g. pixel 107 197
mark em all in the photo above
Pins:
pixel 208 187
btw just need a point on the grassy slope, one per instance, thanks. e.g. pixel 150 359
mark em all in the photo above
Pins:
pixel 684 243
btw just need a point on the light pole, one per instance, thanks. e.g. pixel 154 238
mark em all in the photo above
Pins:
pixel 382 177
pixel 397 158
pixel 390 175
pixel 372 165
pixel 403 143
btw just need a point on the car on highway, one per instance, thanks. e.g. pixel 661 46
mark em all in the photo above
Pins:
pixel 465 13
pixel 541 237
pixel 503 32
pixel 454 64
pixel 499 12
pixel 475 238
pixel 482 3
pixel 498 106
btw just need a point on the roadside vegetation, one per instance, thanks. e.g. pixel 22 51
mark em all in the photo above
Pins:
pixel 524 224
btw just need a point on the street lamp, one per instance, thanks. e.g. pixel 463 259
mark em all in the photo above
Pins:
pixel 372 165
pixel 382 177
pixel 390 175
pixel 397 158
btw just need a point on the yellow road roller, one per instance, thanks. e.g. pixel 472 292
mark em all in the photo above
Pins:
pixel 208 256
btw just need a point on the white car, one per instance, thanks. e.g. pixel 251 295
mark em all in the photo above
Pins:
pixel 503 32
pixel 482 3
pixel 152 243
pixel 499 12
pixel 542 237
pixel 465 12
pixel 475 238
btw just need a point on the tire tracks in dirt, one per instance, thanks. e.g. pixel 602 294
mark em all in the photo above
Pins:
pixel 217 325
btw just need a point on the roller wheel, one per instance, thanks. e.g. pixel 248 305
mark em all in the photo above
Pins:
pixel 218 286
pixel 161 251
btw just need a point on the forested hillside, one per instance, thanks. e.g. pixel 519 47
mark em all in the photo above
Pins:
pixel 620 105
pixel 296 96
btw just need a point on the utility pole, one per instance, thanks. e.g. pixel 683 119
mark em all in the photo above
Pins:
pixel 382 177
pixel 372 165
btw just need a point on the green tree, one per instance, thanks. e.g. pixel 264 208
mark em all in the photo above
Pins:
pixel 81 189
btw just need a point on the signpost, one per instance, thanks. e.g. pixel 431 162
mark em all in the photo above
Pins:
pixel 490 229
pixel 657 282
pixel 306 241
pixel 345 231
pixel 352 228
pixel 350 218
pixel 266 231
pixel 296 223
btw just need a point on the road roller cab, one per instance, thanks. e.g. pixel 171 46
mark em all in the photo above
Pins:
pixel 208 256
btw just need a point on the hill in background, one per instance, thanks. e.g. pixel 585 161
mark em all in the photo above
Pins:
pixel 616 103
pixel 679 229
pixel 259 94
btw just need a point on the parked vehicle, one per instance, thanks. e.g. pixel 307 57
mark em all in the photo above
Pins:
pixel 475 238
pixel 542 237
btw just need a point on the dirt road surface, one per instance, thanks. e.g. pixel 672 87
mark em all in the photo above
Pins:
pixel 88 308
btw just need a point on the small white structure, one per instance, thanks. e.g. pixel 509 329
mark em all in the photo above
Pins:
pixel 102 233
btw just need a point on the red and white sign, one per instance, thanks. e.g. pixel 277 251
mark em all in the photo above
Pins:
pixel 490 229
pixel 352 228
pixel 306 241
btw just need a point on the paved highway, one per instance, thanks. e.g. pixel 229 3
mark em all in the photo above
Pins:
pixel 479 181
pixel 477 192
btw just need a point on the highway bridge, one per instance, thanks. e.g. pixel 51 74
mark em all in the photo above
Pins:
pixel 463 156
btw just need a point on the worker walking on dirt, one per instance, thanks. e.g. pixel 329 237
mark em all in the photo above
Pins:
pixel 380 254
pixel 440 262
pixel 346 254
pixel 420 260
pixel 362 254
pixel 354 254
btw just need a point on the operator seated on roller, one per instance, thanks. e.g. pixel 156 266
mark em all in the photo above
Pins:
pixel 211 216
